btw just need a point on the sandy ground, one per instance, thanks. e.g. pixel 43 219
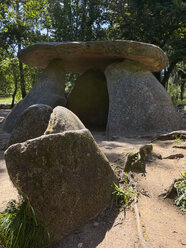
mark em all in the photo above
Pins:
pixel 7 191
pixel 163 224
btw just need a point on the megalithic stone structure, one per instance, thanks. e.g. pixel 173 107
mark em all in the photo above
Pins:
pixel 138 104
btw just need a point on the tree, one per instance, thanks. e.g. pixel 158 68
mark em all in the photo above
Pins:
pixel 24 22
pixel 76 19
pixel 20 25
pixel 158 22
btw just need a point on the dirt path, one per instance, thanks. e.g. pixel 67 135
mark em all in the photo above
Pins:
pixel 164 225
pixel 7 191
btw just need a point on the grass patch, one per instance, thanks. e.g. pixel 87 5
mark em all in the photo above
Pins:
pixel 181 139
pixel 19 227
pixel 177 102
pixel 181 192
pixel 5 100
pixel 125 193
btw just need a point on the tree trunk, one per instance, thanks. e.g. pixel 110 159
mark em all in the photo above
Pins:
pixel 15 90
pixel 158 75
pixel 22 79
pixel 182 88
pixel 168 73
pixel 76 21
pixel 83 24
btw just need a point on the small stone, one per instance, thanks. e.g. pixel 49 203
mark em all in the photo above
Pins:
pixel 80 245
pixel 108 147
pixel 95 224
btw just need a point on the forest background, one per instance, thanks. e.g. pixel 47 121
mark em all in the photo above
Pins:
pixel 25 22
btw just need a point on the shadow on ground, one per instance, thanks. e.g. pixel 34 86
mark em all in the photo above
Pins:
pixel 92 233
pixel 2 170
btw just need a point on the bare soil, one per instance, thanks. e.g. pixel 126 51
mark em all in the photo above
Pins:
pixel 163 224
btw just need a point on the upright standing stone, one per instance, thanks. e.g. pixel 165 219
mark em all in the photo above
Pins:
pixel 89 99
pixel 49 90
pixel 138 103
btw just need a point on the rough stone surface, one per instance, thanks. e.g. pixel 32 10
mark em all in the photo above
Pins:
pixel 31 124
pixel 62 119
pixel 48 90
pixel 66 177
pixel 81 56
pixel 89 99
pixel 138 103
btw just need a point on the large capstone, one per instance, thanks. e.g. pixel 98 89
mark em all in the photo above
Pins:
pixel 82 56
pixel 49 90
pixel 66 177
pixel 62 119
pixel 89 99
pixel 138 103
pixel 31 124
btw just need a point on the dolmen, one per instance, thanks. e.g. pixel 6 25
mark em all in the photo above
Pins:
pixel 138 103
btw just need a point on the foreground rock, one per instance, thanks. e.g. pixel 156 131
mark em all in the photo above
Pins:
pixel 48 90
pixel 89 99
pixel 31 124
pixel 66 177
pixel 139 105
pixel 62 119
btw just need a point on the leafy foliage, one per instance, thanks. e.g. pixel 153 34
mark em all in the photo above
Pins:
pixel 25 22
pixel 19 227
pixel 124 194
pixel 158 22
pixel 181 192
pixel 177 83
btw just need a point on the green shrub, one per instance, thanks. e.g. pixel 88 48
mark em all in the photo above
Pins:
pixel 181 140
pixel 124 194
pixel 19 227
pixel 181 192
